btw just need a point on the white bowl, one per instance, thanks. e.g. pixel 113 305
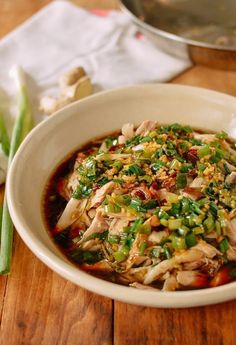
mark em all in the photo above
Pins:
pixel 51 141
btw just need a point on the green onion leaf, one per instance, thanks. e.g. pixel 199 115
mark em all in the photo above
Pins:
pixel 4 139
pixel 23 124
pixel 191 240
pixel 204 151
pixel 181 180
pixel 224 245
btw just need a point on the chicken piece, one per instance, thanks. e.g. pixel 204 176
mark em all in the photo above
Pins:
pixel 136 274
pixel 228 147
pixel 205 138
pixel 157 236
pixel 135 258
pixel 143 287
pixel 117 226
pixel 83 220
pixel 190 255
pixel 192 193
pixel 208 250
pixel 155 272
pixel 163 194
pixel 91 245
pixel 138 147
pixel 145 127
pixel 121 140
pixel 98 225
pixel 73 211
pixel 210 267
pixel 231 230
pixel 103 147
pixel 72 181
pixel 101 193
pixel 170 284
pixel 231 178
pixel 197 182
pixel 141 192
pixel 128 131
pixel 229 166
pixel 167 265
pixel 112 156
pixel 192 279
pixel 100 266
pixel 231 253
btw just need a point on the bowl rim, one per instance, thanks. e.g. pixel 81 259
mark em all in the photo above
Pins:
pixel 176 299
pixel 169 35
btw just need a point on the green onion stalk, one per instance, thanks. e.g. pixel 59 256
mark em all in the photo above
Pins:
pixel 22 125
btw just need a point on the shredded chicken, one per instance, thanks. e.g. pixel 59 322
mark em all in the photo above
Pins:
pixel 98 225
pixel 145 127
pixel 74 209
pixel 101 194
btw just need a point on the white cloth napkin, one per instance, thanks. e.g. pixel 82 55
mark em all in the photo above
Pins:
pixel 62 36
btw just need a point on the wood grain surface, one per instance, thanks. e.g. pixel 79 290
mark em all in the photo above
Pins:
pixel 37 307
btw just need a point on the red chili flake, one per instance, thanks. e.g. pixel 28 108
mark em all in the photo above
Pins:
pixel 192 155
pixel 154 189
pixel 201 281
pixel 80 157
pixel 169 183
pixel 222 277
pixel 192 173
pixel 140 194
pixel 154 185
pixel 74 232
pixel 116 147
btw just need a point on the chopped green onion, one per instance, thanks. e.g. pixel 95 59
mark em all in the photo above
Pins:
pixel 222 135
pixel 204 151
pixel 119 256
pixel 178 242
pixel 157 165
pixel 142 247
pixel 136 204
pixel 198 230
pixel 167 252
pixel 112 208
pixel 183 230
pixel 174 224
pixel 186 167
pixel 213 208
pixel 175 165
pixel 181 180
pixel 209 223
pixel 191 240
pixel 224 245
pixel 113 239
pixel 149 205
pixel 118 165
pixel 136 223
pixel 100 235
pixel 161 213
pixel 134 169
pixel 102 181
pixel 144 229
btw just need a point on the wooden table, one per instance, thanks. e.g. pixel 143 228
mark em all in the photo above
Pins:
pixel 37 307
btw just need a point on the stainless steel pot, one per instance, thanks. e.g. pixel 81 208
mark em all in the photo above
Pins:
pixel 204 30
